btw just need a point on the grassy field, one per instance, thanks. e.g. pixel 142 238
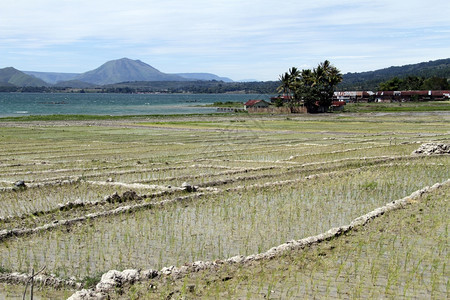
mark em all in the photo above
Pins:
pixel 399 106
pixel 261 181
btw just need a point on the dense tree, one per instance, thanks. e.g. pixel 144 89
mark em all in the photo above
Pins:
pixel 436 83
pixel 412 83
pixel 315 87
pixel 369 81
pixel 390 85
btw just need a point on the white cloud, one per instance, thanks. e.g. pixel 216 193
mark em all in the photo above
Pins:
pixel 250 35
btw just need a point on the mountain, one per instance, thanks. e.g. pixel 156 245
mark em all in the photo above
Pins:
pixel 370 80
pixel 120 70
pixel 13 77
pixel 125 70
pixel 52 77
pixel 204 76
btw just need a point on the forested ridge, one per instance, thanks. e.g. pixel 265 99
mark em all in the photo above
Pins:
pixel 371 80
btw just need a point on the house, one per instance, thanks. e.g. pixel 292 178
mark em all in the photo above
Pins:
pixel 353 96
pixel 281 99
pixel 256 104
pixel 401 96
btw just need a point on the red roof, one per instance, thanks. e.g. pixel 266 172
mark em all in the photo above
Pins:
pixel 411 93
pixel 338 103
pixel 252 102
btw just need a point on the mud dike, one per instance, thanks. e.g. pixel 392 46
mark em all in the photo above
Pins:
pixel 432 149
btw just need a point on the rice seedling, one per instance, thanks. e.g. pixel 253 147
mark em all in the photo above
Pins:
pixel 223 225
pixel 262 183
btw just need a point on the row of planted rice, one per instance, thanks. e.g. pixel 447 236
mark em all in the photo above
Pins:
pixel 200 174
pixel 123 167
pixel 221 225
pixel 401 255
pixel 85 188
pixel 258 188
pixel 71 154
pixel 48 197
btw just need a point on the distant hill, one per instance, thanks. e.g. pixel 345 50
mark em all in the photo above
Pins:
pixel 370 80
pixel 117 71
pixel 122 70
pixel 204 76
pixel 12 77
pixel 52 77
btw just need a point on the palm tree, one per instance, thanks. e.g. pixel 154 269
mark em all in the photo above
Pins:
pixel 332 74
pixel 294 74
pixel 314 87
pixel 307 77
pixel 307 88
pixel 285 86
pixel 329 76
pixel 317 86
pixel 288 84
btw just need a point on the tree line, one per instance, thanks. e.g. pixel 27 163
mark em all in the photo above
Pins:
pixel 200 87
pixel 370 81
pixel 414 83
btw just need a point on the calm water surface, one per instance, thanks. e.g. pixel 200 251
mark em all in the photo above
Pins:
pixel 20 104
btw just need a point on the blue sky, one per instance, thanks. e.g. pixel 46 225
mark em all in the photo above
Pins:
pixel 237 39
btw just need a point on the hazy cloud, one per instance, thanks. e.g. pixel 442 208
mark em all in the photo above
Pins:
pixel 238 39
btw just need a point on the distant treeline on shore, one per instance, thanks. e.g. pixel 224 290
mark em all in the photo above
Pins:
pixel 196 87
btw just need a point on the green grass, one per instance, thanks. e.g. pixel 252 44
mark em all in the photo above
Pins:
pixel 399 107
pixel 231 104
pixel 90 117
pixel 428 106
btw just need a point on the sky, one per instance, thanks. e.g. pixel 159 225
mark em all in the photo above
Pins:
pixel 239 39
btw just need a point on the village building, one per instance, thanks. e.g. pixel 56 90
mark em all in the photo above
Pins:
pixel 390 96
pixel 402 96
pixel 353 96
pixel 256 104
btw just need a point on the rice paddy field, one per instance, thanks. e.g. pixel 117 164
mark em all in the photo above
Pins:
pixel 108 194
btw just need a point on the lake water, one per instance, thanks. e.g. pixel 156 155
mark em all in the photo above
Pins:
pixel 22 104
